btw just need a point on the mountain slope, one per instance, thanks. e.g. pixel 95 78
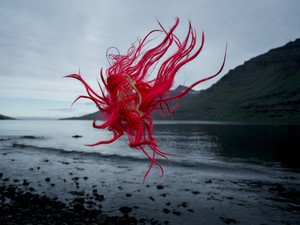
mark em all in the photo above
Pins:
pixel 265 88
pixel 175 92
pixel 92 116
pixel 5 117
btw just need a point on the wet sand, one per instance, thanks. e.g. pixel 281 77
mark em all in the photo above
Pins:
pixel 20 204
pixel 49 187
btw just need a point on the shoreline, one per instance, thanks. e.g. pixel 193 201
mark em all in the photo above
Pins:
pixel 228 175
pixel 216 200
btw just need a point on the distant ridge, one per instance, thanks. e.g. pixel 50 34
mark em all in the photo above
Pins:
pixel 264 88
pixel 2 117
pixel 97 115
pixel 92 116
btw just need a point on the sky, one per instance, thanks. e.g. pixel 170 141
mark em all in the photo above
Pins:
pixel 42 41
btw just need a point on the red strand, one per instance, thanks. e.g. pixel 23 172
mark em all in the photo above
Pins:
pixel 131 97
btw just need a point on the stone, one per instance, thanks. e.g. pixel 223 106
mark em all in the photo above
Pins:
pixel 101 219
pixel 125 209
pixel 78 207
pixel 166 211
pixel 159 187
pixel 76 136
pixel 177 213
pixel 25 183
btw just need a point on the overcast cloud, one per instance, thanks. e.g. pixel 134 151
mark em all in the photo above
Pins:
pixel 41 41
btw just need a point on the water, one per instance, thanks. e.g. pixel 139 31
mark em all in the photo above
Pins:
pixel 195 142
pixel 225 170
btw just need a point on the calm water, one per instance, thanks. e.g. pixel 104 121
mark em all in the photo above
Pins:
pixel 270 143
pixel 243 171
pixel 195 142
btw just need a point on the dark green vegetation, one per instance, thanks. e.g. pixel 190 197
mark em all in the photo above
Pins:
pixel 265 88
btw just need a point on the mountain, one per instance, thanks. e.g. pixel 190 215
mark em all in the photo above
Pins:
pixel 5 117
pixel 92 116
pixel 175 92
pixel 264 88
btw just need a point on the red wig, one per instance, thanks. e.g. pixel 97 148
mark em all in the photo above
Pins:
pixel 130 96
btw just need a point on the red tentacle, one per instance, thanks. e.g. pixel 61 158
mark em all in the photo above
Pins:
pixel 116 136
pixel 129 96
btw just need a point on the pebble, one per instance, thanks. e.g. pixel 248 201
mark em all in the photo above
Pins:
pixel 29 137
pixel 101 219
pixel 51 211
pixel 228 220
pixel 125 209
pixel 159 187
pixel 75 178
pixel 76 136
pixel 177 213
pixel 152 198
pixel 31 189
pixel 78 207
pixel 25 183
pixel 166 211
pixel 184 204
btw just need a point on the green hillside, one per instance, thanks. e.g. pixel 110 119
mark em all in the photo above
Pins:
pixel 265 88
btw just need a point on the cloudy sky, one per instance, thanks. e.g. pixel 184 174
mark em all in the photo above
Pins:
pixel 41 41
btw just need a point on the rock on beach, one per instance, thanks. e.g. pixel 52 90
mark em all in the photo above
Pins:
pixel 24 207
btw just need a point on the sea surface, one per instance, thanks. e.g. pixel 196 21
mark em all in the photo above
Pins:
pixel 226 172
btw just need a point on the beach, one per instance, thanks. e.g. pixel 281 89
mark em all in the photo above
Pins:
pixel 48 176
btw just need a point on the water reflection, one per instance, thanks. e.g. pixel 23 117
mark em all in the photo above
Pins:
pixel 266 142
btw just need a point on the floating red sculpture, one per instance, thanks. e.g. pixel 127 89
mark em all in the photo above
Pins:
pixel 130 96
